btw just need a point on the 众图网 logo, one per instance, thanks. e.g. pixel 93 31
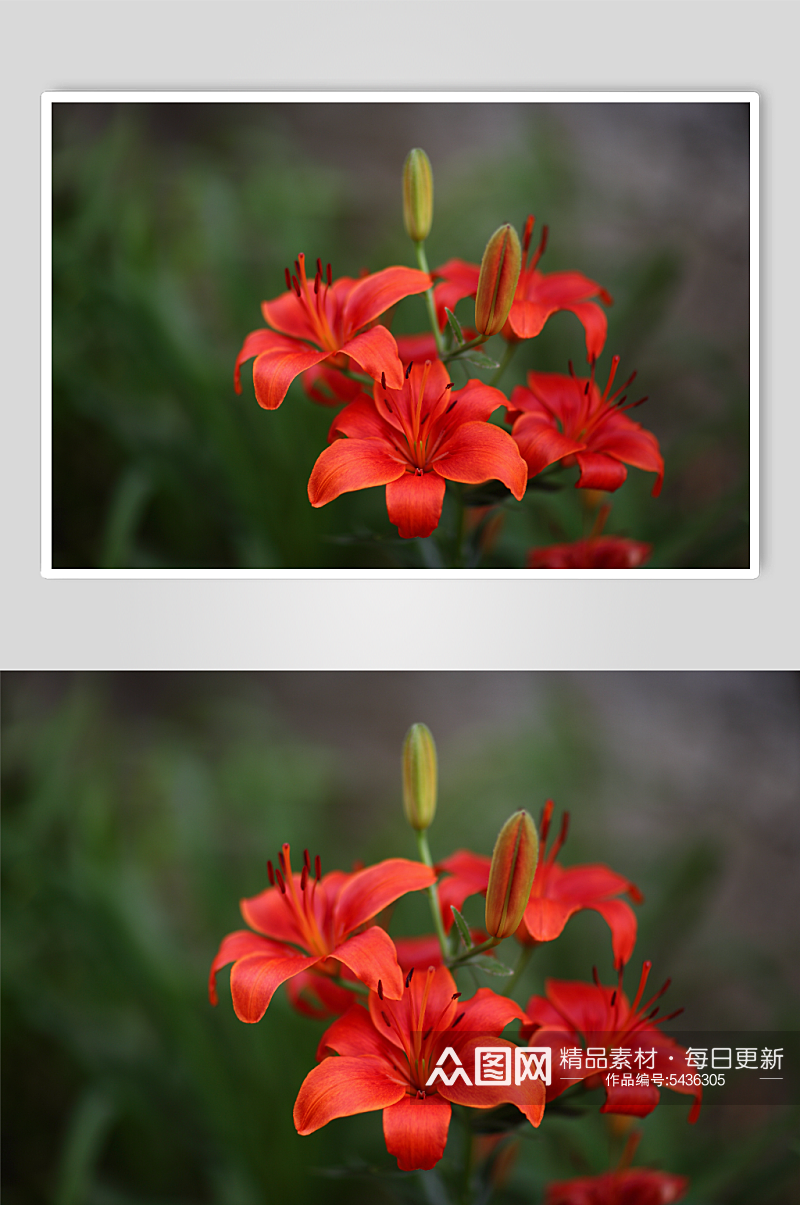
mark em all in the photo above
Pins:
pixel 493 1066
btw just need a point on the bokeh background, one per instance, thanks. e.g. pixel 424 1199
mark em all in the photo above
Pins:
pixel 139 808
pixel 171 222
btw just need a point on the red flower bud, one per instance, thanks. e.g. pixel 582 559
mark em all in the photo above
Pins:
pixel 417 195
pixel 497 282
pixel 511 875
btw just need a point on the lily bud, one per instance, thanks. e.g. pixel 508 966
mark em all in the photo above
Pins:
pixel 419 777
pixel 497 282
pixel 511 875
pixel 417 195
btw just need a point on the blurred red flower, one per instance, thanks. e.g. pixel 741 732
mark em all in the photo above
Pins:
pixel 597 552
pixel 604 1019
pixel 557 417
pixel 631 1186
pixel 311 922
pixel 326 320
pixel 388 1052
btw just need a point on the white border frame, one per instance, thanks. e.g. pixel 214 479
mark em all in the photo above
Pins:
pixel 153 97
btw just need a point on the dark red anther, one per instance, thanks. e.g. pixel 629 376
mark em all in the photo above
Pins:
pixel 386 1019
pixel 595 976
pixel 288 278
pixel 571 370
pixel 297 266
pixel 424 419
pixel 270 873
pixel 319 266
pixel 449 385
pixel 456 996
pixel 460 1017
pixel 317 868
pixel 281 883
pixel 613 997
pixel 388 407
pixel 329 276
pixel 383 381
pixel 317 279
pixel 409 976
pixel 408 370
pixel 304 878
pixel 452 404
pixel 296 286
pixel 427 1033
pixel 380 989
pixel 669 1016
pixel 526 234
pixel 306 859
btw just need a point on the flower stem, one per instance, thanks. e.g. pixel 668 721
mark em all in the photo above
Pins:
pixel 461 959
pixel 422 260
pixel 433 894
pixel 476 342
pixel 504 363
pixel 522 962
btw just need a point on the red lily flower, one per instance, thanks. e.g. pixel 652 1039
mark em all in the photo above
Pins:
pixel 411 440
pixel 537 296
pixel 630 1186
pixel 604 1019
pixel 388 1053
pixel 322 322
pixel 598 552
pixel 559 416
pixel 557 892
pixel 315 923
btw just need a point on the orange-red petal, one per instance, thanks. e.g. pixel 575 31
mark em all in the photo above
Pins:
pixel 477 452
pixel 255 978
pixel 375 351
pixel 414 502
pixel 369 891
pixel 343 1086
pixel 276 368
pixel 529 1096
pixel 237 945
pixel 351 464
pixel 600 472
pixel 376 293
pixel 371 957
pixel 415 1130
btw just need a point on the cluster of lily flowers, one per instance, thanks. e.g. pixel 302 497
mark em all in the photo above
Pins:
pixel 395 1009
pixel 405 424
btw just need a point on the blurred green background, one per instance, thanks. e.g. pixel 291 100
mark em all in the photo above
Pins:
pixel 171 222
pixel 139 808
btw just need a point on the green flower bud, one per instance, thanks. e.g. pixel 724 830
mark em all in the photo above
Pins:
pixel 511 875
pixel 417 195
pixel 497 282
pixel 419 777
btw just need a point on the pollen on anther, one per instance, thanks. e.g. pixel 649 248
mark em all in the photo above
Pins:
pixel 317 867
pixel 460 1017
pixel 408 370
pixel 281 883
pixel 328 275
pixel 409 976
pixel 380 989
pixel 383 381
pixel 456 996
pixel 304 878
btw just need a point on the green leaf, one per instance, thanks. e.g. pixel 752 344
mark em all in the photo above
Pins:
pixel 490 965
pixel 476 356
pixel 455 326
pixel 462 926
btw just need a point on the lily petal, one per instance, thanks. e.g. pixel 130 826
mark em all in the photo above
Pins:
pixel 341 1087
pixel 352 1034
pixel 255 978
pixel 351 464
pixel 237 945
pixel 468 874
pixel 529 1096
pixel 369 891
pixel 477 452
pixel 371 957
pixel 414 503
pixel 621 921
pixel 489 1013
pixel 376 293
pixel 600 472
pixel 541 444
pixel 276 368
pixel 415 1130
pixel 376 351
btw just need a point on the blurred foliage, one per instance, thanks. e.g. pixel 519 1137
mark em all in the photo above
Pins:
pixel 172 222
pixel 137 810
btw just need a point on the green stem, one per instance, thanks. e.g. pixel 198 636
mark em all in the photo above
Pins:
pixel 476 342
pixel 433 894
pixel 522 962
pixel 504 363
pixel 461 959
pixel 422 260
pixel 461 522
